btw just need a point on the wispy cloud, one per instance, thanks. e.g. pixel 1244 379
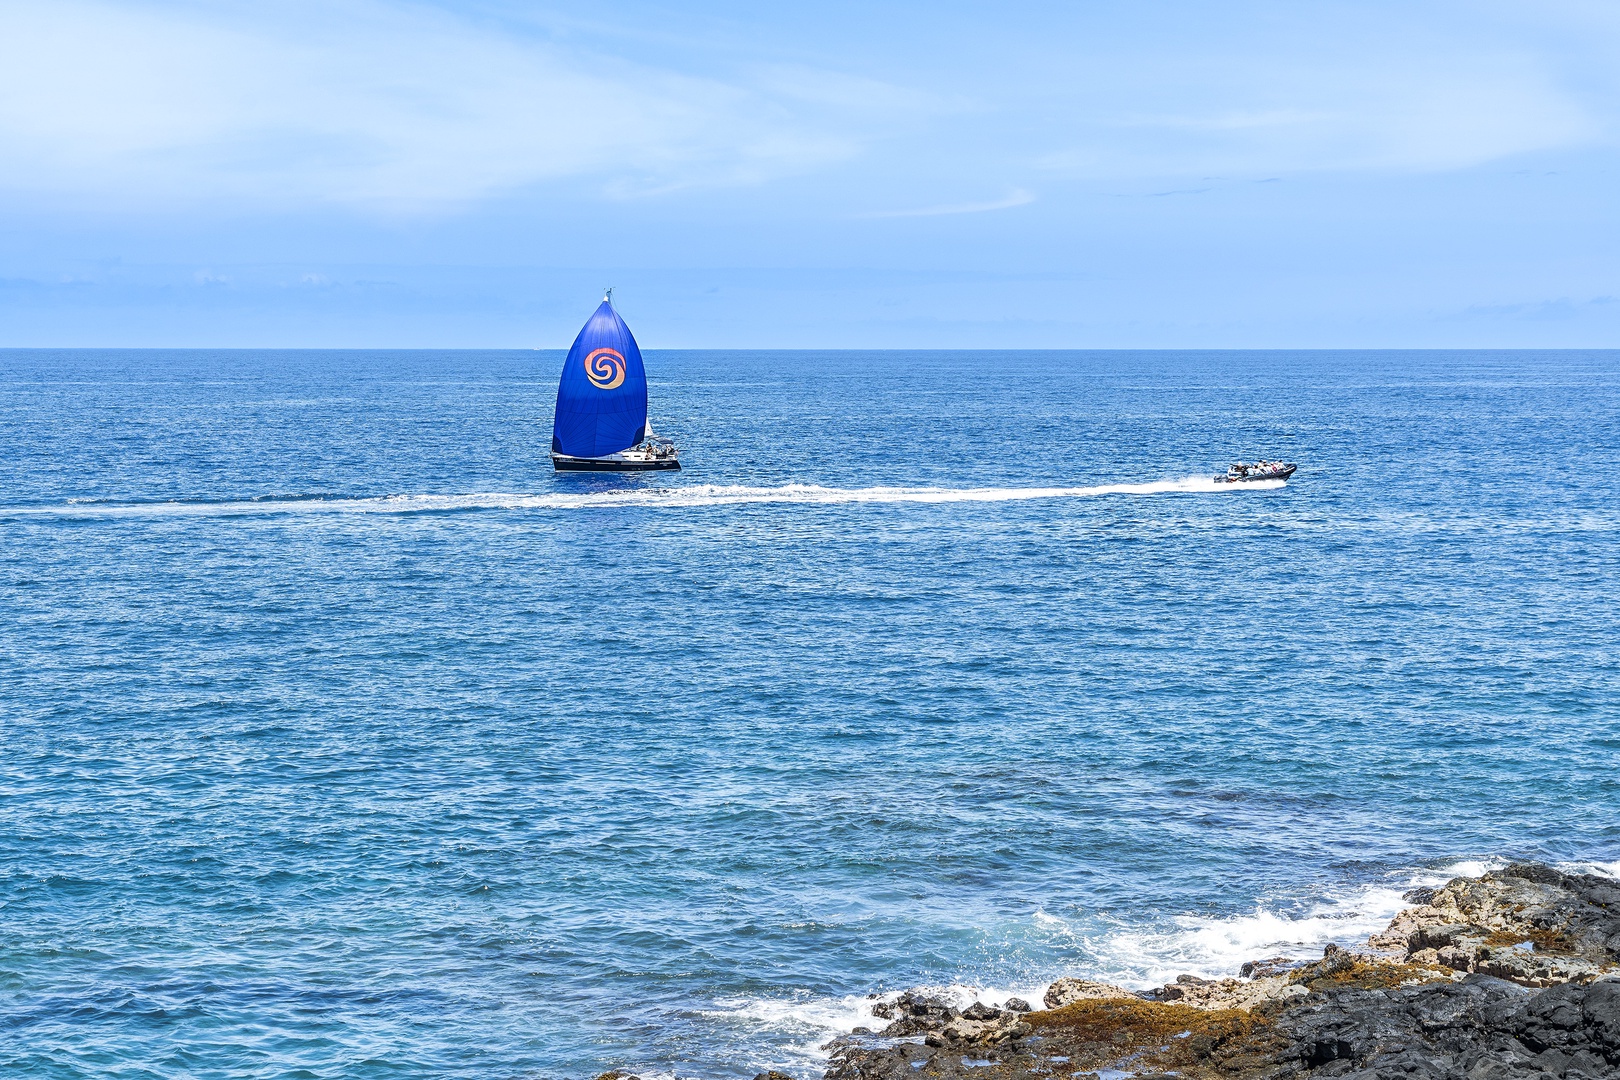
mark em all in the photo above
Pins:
pixel 1016 197
pixel 1418 113
pixel 1561 309
pixel 377 103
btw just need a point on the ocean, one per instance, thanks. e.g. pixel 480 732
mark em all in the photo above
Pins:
pixel 339 737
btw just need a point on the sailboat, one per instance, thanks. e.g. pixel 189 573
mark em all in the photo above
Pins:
pixel 601 420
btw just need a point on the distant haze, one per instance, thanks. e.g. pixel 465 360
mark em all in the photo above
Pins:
pixel 938 175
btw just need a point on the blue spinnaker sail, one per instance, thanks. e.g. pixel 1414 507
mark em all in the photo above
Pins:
pixel 602 396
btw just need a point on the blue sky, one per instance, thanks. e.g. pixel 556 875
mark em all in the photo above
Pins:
pixel 1077 175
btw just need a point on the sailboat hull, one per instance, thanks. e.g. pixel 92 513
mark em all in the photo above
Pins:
pixel 614 463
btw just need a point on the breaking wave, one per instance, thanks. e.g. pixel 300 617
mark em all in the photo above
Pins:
pixel 1139 959
pixel 1215 947
pixel 696 495
pixel 799 1027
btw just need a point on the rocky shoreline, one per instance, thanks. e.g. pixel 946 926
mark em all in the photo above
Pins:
pixel 1514 974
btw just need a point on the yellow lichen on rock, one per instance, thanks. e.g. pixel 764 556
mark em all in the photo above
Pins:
pixel 1110 1032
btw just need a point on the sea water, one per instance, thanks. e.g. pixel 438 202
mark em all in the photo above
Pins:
pixel 342 738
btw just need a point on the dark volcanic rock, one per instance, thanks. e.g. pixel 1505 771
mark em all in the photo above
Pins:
pixel 1572 1017
pixel 1510 976
pixel 1480 1027
pixel 915 1013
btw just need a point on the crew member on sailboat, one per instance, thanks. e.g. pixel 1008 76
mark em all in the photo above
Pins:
pixel 601 420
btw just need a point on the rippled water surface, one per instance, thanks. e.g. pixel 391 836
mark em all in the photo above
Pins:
pixel 343 739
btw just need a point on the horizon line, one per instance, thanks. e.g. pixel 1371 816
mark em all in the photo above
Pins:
pixel 819 348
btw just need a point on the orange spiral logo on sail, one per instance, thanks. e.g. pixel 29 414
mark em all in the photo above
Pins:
pixel 605 368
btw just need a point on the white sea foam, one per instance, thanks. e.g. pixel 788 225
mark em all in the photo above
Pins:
pixel 1217 946
pixel 1137 958
pixel 696 495
pixel 801 1026
pixel 796 1027
pixel 1604 869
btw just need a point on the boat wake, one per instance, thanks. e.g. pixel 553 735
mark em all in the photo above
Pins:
pixel 696 495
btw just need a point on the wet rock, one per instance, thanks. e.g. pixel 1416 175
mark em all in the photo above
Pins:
pixel 1018 1005
pixel 1514 975
pixel 1335 959
pixel 773 1075
pixel 915 1012
pixel 915 1003
pixel 1067 991
pixel 1276 965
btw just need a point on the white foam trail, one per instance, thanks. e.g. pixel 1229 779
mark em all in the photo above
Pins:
pixel 695 495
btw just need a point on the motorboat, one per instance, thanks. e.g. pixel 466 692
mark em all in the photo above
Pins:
pixel 1260 470
pixel 601 422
